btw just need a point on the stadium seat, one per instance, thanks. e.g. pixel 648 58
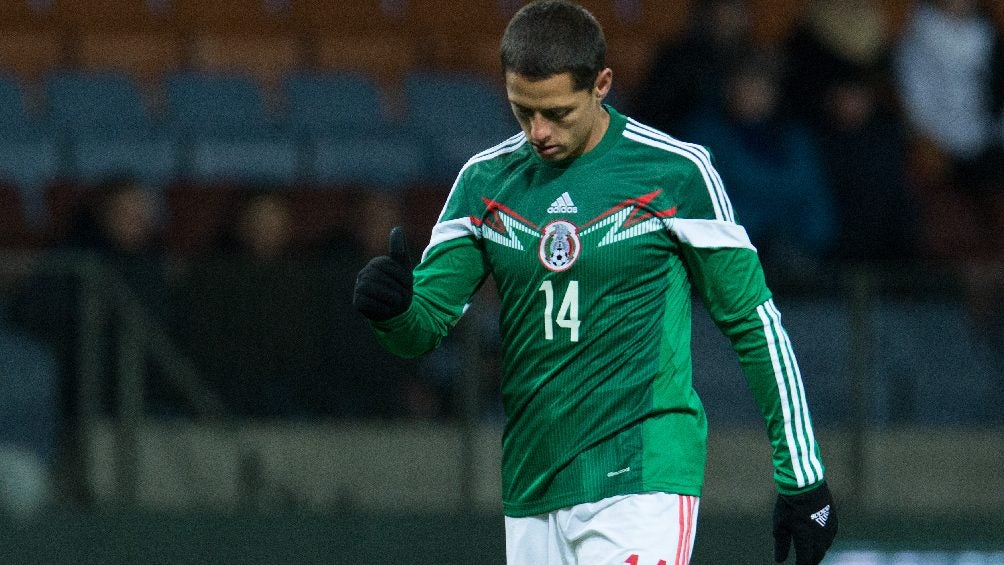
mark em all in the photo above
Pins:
pixel 227 129
pixel 242 17
pixel 146 55
pixel 216 105
pixel 331 104
pixel 352 139
pixel 320 17
pixel 457 115
pixel 459 36
pixel 378 162
pixel 108 127
pixel 97 104
pixel 116 16
pixel 386 56
pixel 31 53
pixel 29 155
pixel 266 59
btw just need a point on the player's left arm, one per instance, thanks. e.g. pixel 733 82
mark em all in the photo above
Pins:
pixel 730 281
pixel 726 271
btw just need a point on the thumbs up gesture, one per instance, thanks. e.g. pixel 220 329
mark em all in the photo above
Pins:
pixel 383 287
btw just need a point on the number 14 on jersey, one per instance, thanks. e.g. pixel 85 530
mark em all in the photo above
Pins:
pixel 568 311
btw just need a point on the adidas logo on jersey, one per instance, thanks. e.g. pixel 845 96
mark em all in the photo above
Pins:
pixel 563 205
pixel 822 516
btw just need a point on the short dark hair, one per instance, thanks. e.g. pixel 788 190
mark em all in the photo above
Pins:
pixel 550 37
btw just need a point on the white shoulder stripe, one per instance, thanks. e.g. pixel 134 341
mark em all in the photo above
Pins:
pixel 450 230
pixel 514 141
pixel 507 146
pixel 710 234
pixel 696 153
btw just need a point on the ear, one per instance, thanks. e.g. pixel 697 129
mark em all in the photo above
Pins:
pixel 604 81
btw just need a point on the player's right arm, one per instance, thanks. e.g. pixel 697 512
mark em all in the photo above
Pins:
pixel 450 272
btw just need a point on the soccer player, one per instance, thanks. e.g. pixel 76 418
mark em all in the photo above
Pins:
pixel 596 229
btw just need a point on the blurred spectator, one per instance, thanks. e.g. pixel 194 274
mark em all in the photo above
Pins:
pixel 950 71
pixel 838 83
pixel 837 40
pixel 115 227
pixel 270 317
pixel 254 310
pixel 771 166
pixel 688 74
pixel 864 155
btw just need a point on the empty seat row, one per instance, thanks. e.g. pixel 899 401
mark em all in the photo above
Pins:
pixel 328 128
pixel 267 38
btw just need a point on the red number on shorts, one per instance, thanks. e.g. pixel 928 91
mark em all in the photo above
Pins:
pixel 633 560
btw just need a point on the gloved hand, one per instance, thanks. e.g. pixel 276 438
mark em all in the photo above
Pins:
pixel 383 287
pixel 810 520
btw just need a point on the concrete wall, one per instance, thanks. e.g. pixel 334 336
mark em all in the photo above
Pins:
pixel 416 467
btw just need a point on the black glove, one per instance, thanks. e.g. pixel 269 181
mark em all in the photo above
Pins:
pixel 383 286
pixel 808 518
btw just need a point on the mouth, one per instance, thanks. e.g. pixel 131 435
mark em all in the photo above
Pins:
pixel 547 150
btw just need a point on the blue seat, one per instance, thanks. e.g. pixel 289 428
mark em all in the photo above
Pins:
pixel 108 128
pixel 29 154
pixel 381 162
pixel 458 114
pixel 217 106
pixel 98 105
pixel 227 129
pixel 333 104
pixel 153 160
pixel 351 140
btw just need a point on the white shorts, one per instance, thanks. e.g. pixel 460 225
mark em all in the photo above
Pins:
pixel 637 529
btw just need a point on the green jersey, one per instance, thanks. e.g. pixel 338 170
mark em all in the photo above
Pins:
pixel 595 260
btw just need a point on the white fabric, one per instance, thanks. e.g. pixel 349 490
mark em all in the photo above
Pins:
pixel 641 529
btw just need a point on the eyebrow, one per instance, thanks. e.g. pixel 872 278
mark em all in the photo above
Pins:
pixel 553 111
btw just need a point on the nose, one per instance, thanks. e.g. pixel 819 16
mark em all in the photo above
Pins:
pixel 540 129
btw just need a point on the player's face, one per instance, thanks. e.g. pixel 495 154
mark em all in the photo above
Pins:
pixel 559 121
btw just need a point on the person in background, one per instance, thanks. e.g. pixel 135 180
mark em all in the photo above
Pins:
pixel 774 168
pixel 254 309
pixel 687 74
pixel 949 68
pixel 114 228
pixel 835 40
pixel 864 151
pixel 949 71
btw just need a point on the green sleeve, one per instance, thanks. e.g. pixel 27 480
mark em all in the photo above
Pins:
pixel 451 271
pixel 732 287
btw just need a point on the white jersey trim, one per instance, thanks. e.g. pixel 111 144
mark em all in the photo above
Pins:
pixel 697 154
pixel 507 146
pixel 797 426
pixel 450 230
pixel 710 234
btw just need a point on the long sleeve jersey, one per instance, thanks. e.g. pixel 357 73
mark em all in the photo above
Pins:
pixel 595 259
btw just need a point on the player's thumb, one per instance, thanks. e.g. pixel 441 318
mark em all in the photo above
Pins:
pixel 399 247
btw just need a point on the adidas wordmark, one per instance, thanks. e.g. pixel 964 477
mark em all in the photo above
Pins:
pixel 563 205
pixel 822 516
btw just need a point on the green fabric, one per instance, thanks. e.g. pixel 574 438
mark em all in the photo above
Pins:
pixel 595 260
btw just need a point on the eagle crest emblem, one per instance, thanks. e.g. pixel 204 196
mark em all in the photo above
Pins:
pixel 559 245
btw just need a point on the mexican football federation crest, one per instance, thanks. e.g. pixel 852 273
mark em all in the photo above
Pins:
pixel 559 246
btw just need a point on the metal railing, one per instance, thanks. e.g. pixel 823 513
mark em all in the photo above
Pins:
pixel 144 341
